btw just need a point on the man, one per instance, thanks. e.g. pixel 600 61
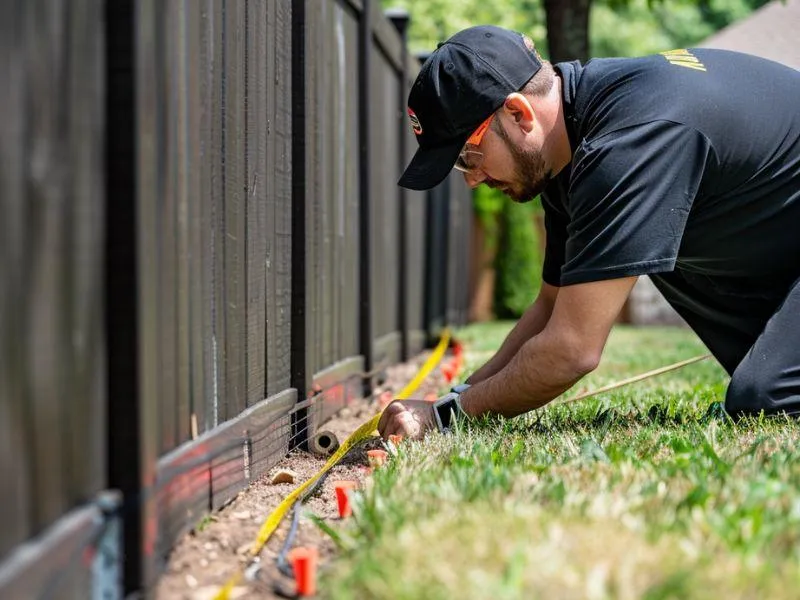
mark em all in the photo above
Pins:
pixel 684 166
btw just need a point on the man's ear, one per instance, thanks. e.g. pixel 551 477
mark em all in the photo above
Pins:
pixel 520 109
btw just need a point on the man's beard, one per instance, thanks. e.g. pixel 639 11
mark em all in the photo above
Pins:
pixel 529 169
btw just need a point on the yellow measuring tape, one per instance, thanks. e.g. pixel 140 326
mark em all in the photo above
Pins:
pixel 364 431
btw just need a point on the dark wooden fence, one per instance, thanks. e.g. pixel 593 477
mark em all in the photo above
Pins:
pixel 204 255
pixel 53 459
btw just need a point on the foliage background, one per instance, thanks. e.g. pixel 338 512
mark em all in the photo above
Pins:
pixel 616 28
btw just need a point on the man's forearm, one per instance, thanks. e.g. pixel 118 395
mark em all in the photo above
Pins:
pixel 530 324
pixel 541 370
pixel 552 361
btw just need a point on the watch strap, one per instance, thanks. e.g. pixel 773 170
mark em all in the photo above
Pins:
pixel 445 410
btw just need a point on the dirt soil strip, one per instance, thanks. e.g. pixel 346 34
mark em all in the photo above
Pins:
pixel 203 560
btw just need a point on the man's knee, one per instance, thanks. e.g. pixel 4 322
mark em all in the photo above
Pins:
pixel 758 388
pixel 746 393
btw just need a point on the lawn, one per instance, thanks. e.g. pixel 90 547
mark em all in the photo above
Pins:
pixel 637 493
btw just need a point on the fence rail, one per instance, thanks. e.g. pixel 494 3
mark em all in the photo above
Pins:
pixel 204 255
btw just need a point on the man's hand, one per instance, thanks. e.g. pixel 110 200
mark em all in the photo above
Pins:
pixel 409 418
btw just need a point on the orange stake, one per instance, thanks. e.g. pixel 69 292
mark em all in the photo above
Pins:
pixel 449 371
pixel 304 565
pixel 376 458
pixel 343 497
pixel 385 399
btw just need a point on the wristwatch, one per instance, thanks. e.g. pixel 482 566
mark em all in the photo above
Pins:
pixel 447 409
pixel 460 388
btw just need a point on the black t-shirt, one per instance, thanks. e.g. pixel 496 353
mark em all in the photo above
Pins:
pixel 687 162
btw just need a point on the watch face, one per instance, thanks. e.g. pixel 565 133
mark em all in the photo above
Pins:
pixel 444 413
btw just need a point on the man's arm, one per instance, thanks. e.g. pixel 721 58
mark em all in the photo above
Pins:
pixel 532 322
pixel 566 349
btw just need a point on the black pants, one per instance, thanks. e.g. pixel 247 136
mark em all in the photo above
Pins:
pixel 761 350
pixel 768 377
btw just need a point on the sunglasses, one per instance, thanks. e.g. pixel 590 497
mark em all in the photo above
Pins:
pixel 470 159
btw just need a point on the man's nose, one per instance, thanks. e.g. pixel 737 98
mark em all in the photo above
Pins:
pixel 474 178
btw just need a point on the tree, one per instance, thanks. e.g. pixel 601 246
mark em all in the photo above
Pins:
pixel 578 29
pixel 567 29
pixel 433 21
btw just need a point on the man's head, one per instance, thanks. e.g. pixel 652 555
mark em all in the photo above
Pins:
pixel 480 104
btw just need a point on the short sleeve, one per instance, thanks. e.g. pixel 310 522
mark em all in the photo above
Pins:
pixel 555 224
pixel 629 197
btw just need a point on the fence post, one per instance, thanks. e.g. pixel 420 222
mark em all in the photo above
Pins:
pixel 364 65
pixel 126 442
pixel 299 364
pixel 436 252
pixel 107 562
pixel 400 18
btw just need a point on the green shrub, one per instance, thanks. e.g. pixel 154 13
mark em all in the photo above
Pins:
pixel 518 262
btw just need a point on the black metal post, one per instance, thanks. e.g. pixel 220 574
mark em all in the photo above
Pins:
pixel 365 303
pixel 121 286
pixel 400 19
pixel 299 364
pixel 433 244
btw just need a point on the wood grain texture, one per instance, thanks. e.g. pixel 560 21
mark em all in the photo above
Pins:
pixel 52 396
pixel 235 207
pixel 258 184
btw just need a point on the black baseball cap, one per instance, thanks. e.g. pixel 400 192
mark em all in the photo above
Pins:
pixel 465 80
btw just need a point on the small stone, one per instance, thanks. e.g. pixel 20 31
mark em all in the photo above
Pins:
pixel 283 476
pixel 243 515
pixel 208 546
pixel 244 549
pixel 213 556
pixel 346 412
pixel 251 572
pixel 203 563
pixel 191 581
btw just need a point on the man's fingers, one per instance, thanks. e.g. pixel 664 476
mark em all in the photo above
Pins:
pixel 394 426
pixel 408 425
pixel 388 417
pixel 403 418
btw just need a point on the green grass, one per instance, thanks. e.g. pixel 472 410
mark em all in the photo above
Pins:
pixel 638 493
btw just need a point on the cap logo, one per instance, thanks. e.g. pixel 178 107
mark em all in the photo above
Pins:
pixel 415 124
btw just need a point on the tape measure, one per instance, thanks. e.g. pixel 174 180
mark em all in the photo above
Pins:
pixel 365 431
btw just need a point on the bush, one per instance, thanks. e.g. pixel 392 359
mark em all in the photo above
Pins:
pixel 518 263
pixel 511 230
